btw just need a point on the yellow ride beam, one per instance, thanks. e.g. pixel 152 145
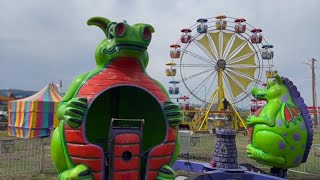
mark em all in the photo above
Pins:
pixel 221 90
pixel 205 119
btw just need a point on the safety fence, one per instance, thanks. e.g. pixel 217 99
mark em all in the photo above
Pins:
pixel 201 148
pixel 21 156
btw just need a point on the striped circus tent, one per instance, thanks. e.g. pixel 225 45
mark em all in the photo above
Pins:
pixel 34 116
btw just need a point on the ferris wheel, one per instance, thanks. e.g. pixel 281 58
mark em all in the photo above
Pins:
pixel 219 56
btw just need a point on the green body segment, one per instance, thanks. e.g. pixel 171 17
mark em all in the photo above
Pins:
pixel 132 43
pixel 279 135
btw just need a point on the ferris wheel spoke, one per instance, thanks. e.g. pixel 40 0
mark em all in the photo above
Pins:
pixel 242 82
pixel 205 45
pixel 197 74
pixel 244 89
pixel 243 66
pixel 243 58
pixel 212 82
pixel 229 86
pixel 236 46
pixel 225 39
pixel 201 85
pixel 236 81
pixel 194 65
pixel 228 39
pixel 245 75
pixel 213 43
pixel 206 51
pixel 246 95
pixel 198 56
pixel 220 44
pixel 236 51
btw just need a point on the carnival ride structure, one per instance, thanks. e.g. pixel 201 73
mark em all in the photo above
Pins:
pixel 218 58
pixel 115 121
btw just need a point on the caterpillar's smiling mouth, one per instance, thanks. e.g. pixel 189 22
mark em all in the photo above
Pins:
pixel 131 46
pixel 125 46
pixel 260 96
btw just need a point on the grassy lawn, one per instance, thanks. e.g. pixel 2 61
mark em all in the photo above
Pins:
pixel 4 135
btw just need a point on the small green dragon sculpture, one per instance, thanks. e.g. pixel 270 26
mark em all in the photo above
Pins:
pixel 282 131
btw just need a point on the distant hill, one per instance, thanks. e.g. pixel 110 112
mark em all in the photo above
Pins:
pixel 17 92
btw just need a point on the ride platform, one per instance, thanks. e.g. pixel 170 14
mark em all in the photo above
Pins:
pixel 204 171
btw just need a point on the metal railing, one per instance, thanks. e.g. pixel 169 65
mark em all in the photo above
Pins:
pixel 21 156
pixel 201 147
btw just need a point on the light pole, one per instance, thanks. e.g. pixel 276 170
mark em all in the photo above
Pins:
pixel 314 95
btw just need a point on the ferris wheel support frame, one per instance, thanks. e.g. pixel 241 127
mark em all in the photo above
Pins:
pixel 221 90
pixel 221 95
pixel 204 118
pixel 238 115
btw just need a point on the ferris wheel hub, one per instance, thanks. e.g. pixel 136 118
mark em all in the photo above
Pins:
pixel 221 64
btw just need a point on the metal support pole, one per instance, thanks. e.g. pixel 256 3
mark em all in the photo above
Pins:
pixel 221 91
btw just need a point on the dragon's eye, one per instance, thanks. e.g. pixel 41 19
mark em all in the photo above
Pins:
pixel 146 33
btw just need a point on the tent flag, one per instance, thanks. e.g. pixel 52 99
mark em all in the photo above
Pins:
pixel 34 116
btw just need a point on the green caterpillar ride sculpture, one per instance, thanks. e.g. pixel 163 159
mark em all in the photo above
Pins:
pixel 282 130
pixel 115 121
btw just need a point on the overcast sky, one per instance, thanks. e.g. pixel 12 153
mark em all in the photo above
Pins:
pixel 43 41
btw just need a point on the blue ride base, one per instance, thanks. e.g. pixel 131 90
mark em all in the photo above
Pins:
pixel 206 172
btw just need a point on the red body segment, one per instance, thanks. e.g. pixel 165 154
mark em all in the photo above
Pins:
pixel 121 72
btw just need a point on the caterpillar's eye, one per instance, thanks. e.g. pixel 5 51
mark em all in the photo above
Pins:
pixel 146 33
pixel 120 29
